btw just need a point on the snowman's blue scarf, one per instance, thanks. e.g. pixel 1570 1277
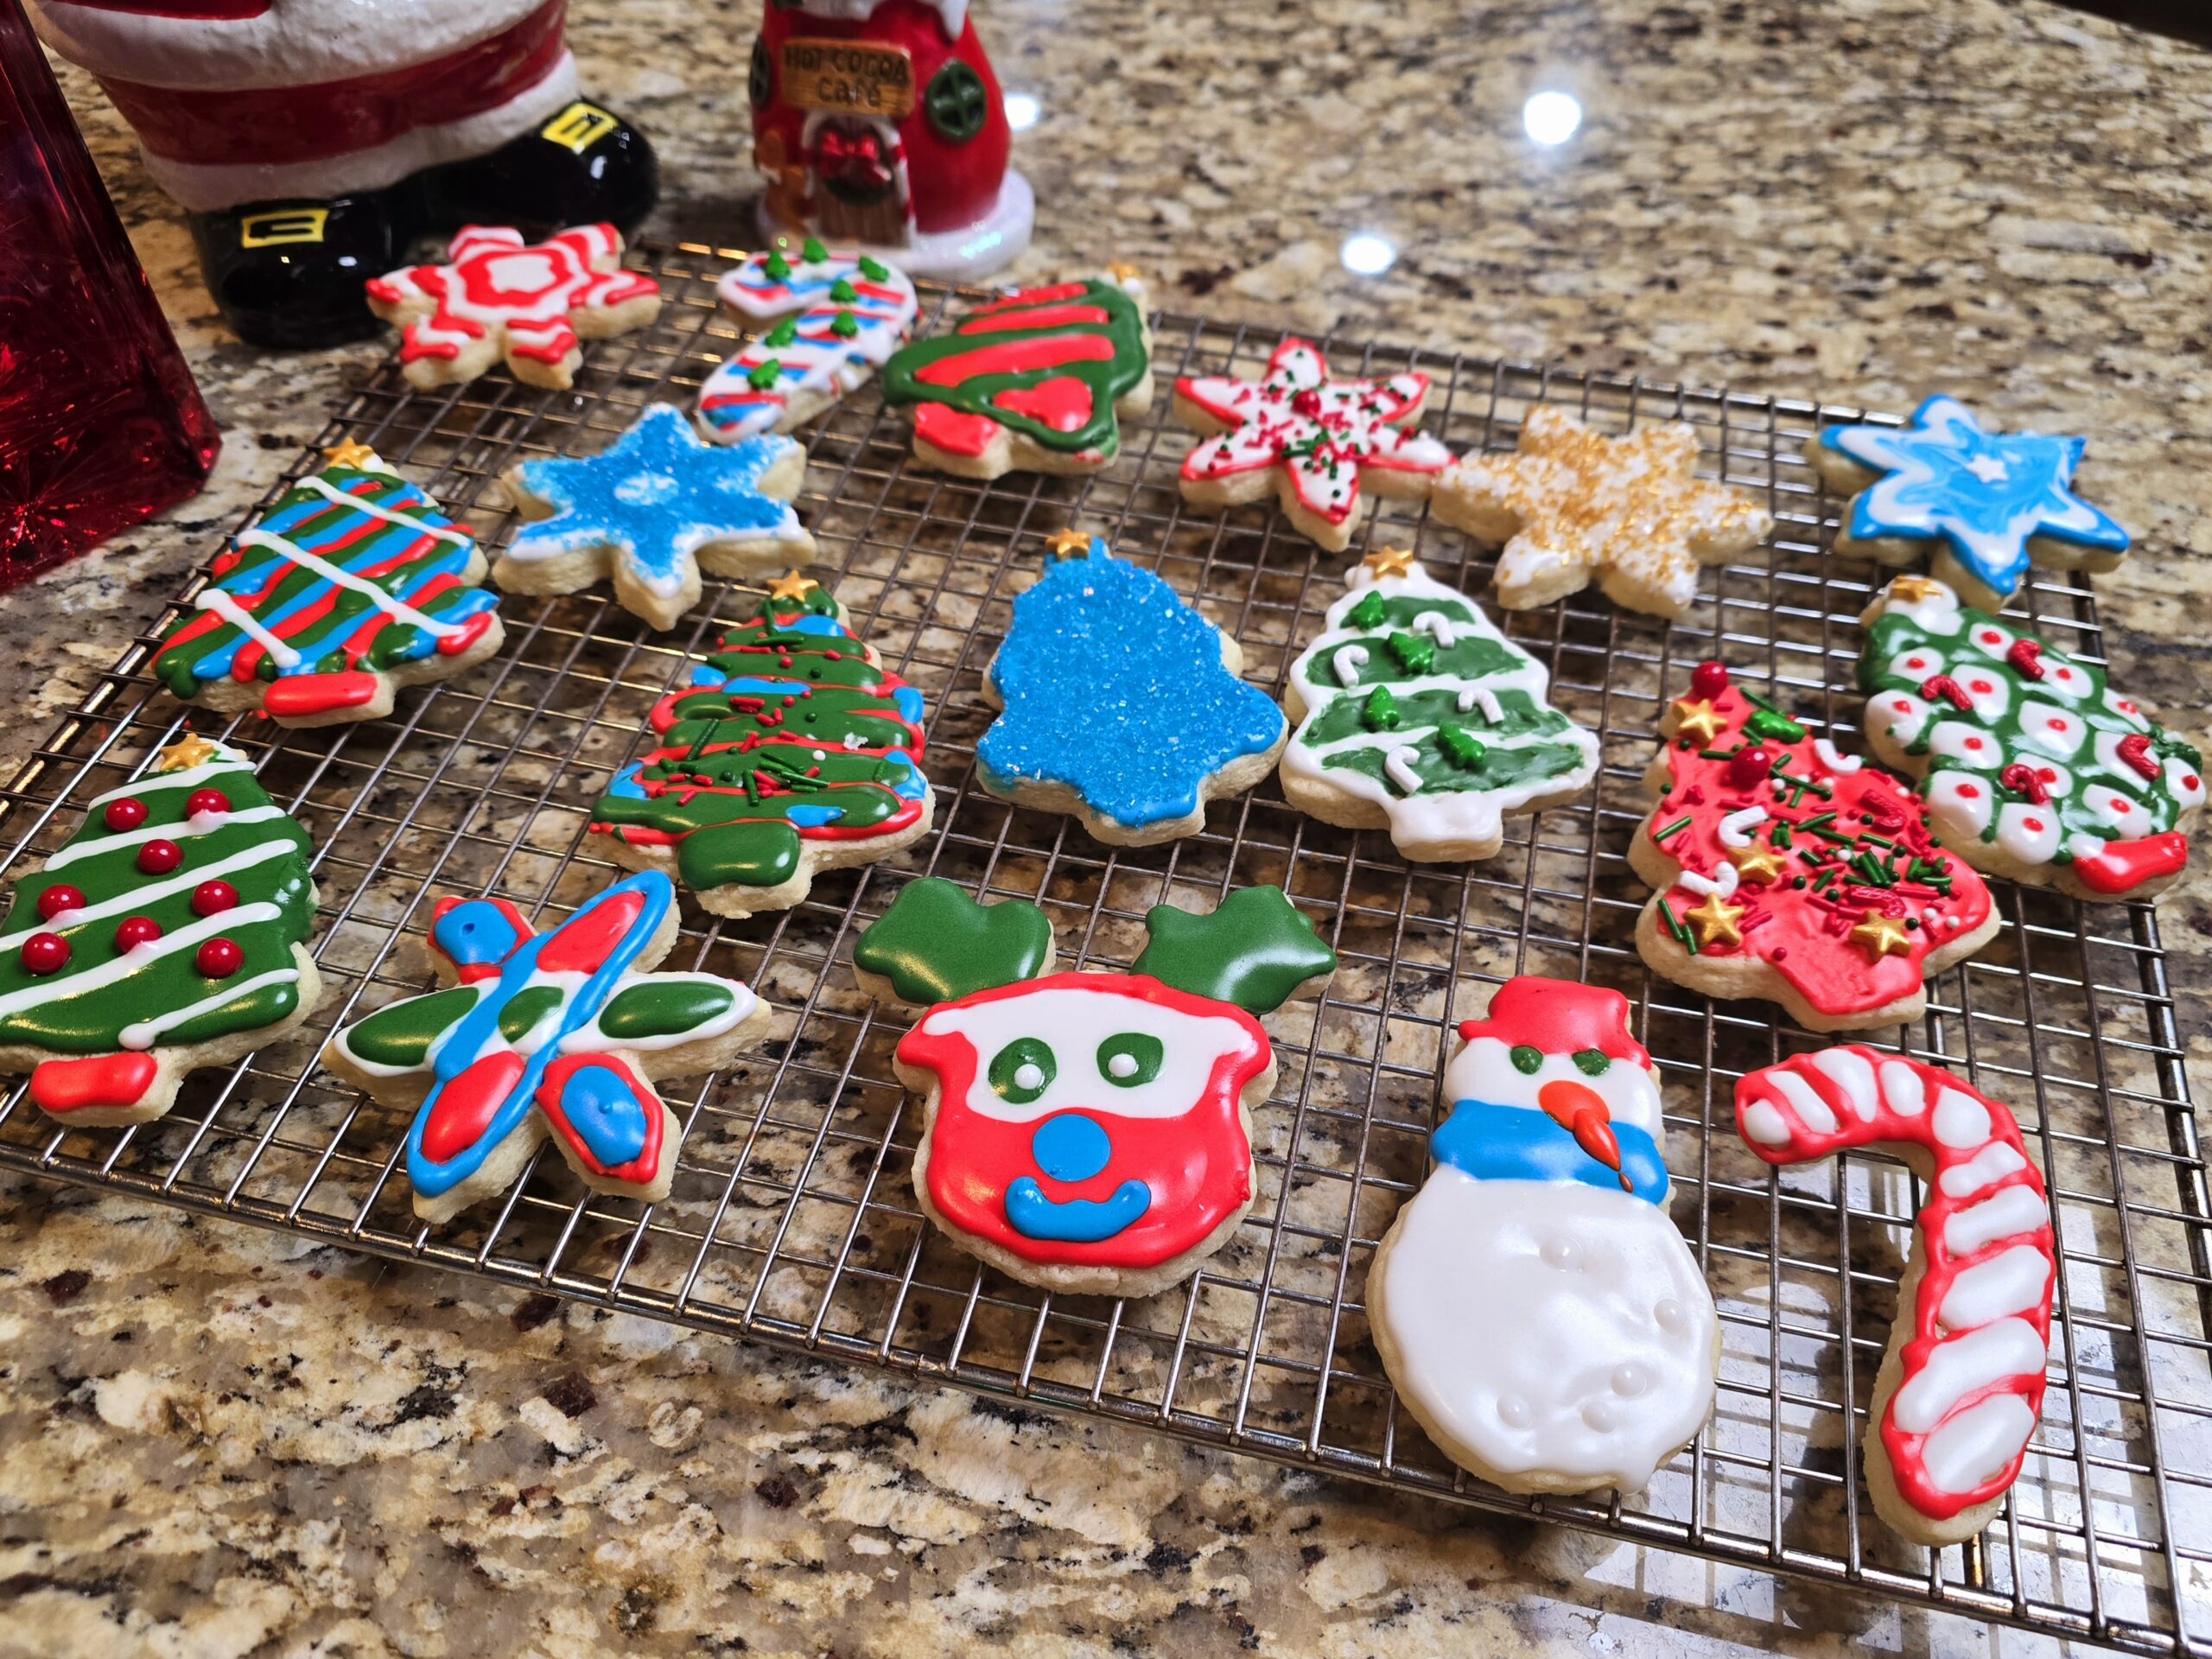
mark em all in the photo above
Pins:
pixel 1520 1143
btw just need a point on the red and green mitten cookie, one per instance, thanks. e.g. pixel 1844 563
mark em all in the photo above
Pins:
pixel 1784 870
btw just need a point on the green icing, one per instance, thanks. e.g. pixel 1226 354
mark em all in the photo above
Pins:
pixel 1500 767
pixel 1469 659
pixel 525 1008
pixel 1440 706
pixel 1139 1055
pixel 1022 1071
pixel 937 944
pixel 1527 1060
pixel 665 1006
pixel 400 1036
pixel 1592 1062
pixel 1255 951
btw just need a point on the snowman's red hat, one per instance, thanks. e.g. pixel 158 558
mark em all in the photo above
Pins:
pixel 1560 1017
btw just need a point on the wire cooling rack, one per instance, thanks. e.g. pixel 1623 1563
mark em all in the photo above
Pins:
pixel 792 1220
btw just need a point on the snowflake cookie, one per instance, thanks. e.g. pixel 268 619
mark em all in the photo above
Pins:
pixel 1992 502
pixel 834 320
pixel 497 295
pixel 1572 506
pixel 2033 767
pixel 654 509
pixel 1321 444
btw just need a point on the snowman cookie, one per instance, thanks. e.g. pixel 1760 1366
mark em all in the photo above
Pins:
pixel 1087 1132
pixel 1539 1314
pixel 2033 767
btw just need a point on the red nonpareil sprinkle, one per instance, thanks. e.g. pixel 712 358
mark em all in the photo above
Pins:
pixel 219 958
pixel 1750 767
pixel 54 900
pixel 159 857
pixel 1709 680
pixel 135 930
pixel 206 800
pixel 45 953
pixel 126 814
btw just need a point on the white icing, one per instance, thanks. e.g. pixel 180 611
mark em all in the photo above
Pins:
pixel 1986 1168
pixel 1901 1088
pixel 2027 834
pixel 94 844
pixel 143 1033
pixel 2054 730
pixel 2017 1281
pixel 1737 827
pixel 1959 803
pixel 1958 738
pixel 215 599
pixel 1766 1124
pixel 1901 715
pixel 1482 697
pixel 1721 883
pixel 1398 767
pixel 2113 808
pixel 338 498
pixel 1960 1120
pixel 1977 1445
pixel 1347 661
pixel 1851 1071
pixel 817 363
pixel 1834 759
pixel 152 893
pixel 1483 1069
pixel 1964 1365
pixel 2014 1211
pixel 186 937
pixel 1800 1094
pixel 398 609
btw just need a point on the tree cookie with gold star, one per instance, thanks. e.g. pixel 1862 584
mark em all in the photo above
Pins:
pixel 1784 870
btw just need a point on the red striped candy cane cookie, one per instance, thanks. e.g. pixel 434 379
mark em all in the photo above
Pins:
pixel 1961 1389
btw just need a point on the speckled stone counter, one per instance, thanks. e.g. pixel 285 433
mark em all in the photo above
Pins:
pixel 220 1442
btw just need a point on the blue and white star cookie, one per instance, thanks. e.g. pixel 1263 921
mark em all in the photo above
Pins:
pixel 653 511
pixel 1992 502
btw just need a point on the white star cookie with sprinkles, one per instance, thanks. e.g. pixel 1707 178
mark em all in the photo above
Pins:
pixel 2033 767
pixel 1573 507
pixel 834 320
pixel 1989 503
pixel 1321 444
pixel 1416 715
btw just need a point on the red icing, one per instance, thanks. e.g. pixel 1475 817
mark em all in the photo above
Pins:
pixel 954 431
pixel 1017 356
pixel 992 318
pixel 2123 866
pixel 645 1169
pixel 1062 403
pixel 104 1080
pixel 2022 654
pixel 467 1104
pixel 585 944
pixel 1560 1017
pixel 2025 780
pixel 318 693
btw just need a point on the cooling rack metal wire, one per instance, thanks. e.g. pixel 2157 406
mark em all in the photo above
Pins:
pixel 792 1221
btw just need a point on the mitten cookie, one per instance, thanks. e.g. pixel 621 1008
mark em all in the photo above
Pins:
pixel 169 934
pixel 1961 1388
pixel 560 1032
pixel 1539 1313
pixel 1088 1132
pixel 790 752
pixel 653 510
pixel 1037 382
pixel 1783 869
pixel 1321 444
pixel 499 296
pixel 835 319
pixel 1573 507
pixel 351 586
pixel 1991 503
pixel 1122 705
pixel 1415 714
pixel 2031 767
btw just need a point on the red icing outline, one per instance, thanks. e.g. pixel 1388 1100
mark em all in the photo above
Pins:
pixel 62 1087
pixel 299 695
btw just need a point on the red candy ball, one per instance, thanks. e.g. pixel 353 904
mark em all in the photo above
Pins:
pixel 136 931
pixel 159 857
pixel 210 898
pixel 1709 680
pixel 54 900
pixel 206 800
pixel 45 953
pixel 126 814
pixel 1750 766
pixel 218 959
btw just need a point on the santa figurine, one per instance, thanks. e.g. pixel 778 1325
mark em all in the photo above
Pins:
pixel 312 141
pixel 879 124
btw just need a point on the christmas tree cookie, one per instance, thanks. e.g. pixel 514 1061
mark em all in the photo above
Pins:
pixel 2033 767
pixel 1415 714
pixel 351 586
pixel 169 934
pixel 1037 382
pixel 1784 870
pixel 833 320
pixel 1088 1132
pixel 557 1033
pixel 790 752
pixel 1538 1312
pixel 1122 705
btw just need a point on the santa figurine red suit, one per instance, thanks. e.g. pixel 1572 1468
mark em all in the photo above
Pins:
pixel 311 141
pixel 879 124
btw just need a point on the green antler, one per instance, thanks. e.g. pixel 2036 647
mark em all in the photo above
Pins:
pixel 937 944
pixel 1255 950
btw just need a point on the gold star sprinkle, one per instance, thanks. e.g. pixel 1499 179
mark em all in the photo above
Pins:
pixel 1758 862
pixel 1715 921
pixel 190 750
pixel 1882 936
pixel 1698 720
pixel 1067 543
pixel 1123 274
pixel 353 454
pixel 793 586
pixel 1387 562
pixel 1910 590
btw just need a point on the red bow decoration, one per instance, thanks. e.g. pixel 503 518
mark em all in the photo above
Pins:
pixel 858 159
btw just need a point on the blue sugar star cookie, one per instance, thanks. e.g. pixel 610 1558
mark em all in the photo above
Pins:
pixel 1991 499
pixel 652 510
pixel 1116 690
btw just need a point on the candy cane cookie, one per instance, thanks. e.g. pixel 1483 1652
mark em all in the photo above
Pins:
pixel 1961 1388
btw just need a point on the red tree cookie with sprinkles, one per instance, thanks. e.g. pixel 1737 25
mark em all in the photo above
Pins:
pixel 1784 870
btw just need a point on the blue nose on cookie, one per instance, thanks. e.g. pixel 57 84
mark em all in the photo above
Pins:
pixel 1069 1147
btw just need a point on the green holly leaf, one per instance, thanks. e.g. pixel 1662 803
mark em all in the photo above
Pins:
pixel 1773 728
pixel 937 944
pixel 1255 951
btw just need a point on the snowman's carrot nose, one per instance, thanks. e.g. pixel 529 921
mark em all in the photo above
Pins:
pixel 1581 1110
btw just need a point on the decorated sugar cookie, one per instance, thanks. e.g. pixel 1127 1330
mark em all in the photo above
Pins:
pixel 788 753
pixel 653 510
pixel 1538 1312
pixel 1416 715
pixel 1573 507
pixel 1321 444
pixel 561 1032
pixel 1037 382
pixel 2032 768
pixel 167 934
pixel 833 320
pixel 351 586
pixel 1784 869
pixel 1122 705
pixel 1088 1132
pixel 1961 1388
pixel 497 296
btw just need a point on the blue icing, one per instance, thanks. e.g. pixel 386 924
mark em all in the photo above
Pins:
pixel 1114 687
pixel 655 496
pixel 812 624
pixel 703 675
pixel 1520 1143
pixel 1071 1148
pixel 813 817
pixel 625 783
pixel 913 786
pixel 1984 494
pixel 602 1107
pixel 1075 1221
pixel 908 701
pixel 475 934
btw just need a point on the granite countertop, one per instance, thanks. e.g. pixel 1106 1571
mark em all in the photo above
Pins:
pixel 222 1442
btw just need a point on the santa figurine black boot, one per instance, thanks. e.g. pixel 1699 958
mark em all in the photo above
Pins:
pixel 312 141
